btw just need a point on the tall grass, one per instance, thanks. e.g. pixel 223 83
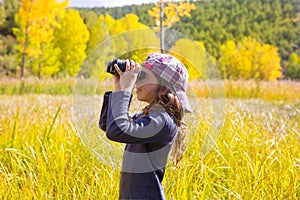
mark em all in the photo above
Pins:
pixel 48 86
pixel 257 155
pixel 284 90
pixel 41 157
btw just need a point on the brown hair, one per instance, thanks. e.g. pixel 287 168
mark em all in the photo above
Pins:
pixel 168 99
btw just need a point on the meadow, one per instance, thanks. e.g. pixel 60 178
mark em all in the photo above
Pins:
pixel 255 155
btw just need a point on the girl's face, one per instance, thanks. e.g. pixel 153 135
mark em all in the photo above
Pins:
pixel 147 88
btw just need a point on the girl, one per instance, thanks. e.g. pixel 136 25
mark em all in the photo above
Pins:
pixel 150 134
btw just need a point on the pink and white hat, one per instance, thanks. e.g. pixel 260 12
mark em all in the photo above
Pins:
pixel 172 71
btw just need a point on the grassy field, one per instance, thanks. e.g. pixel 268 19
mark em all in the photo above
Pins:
pixel 256 155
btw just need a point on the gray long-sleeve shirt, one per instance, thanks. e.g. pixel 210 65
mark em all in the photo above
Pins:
pixel 148 142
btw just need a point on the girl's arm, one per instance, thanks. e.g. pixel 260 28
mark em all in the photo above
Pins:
pixel 104 109
pixel 156 127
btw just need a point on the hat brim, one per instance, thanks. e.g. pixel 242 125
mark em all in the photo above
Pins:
pixel 184 101
pixel 181 95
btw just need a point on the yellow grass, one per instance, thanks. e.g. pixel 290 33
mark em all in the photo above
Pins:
pixel 256 156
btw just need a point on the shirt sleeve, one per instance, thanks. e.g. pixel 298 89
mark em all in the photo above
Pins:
pixel 148 129
pixel 103 113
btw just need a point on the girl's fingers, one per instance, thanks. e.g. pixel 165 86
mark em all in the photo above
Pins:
pixel 118 69
pixel 132 65
pixel 137 67
pixel 127 65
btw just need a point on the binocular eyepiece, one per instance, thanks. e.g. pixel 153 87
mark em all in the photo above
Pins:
pixel 122 65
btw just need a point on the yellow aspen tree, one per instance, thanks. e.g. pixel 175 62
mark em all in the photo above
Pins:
pixel 293 67
pixel 101 31
pixel 248 59
pixel 123 37
pixel 133 37
pixel 227 59
pixel 2 14
pixel 119 42
pixel 269 61
pixel 172 12
pixel 37 20
pixel 71 39
pixel 193 55
pixel 167 16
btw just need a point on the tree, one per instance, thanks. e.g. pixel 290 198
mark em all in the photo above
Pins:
pixel 71 39
pixel 123 38
pixel 89 18
pixel 215 22
pixel 8 56
pixel 172 12
pixel 193 55
pixel 293 67
pixel 8 9
pixel 167 16
pixel 270 22
pixel 136 34
pixel 249 60
pixel 37 21
pixel 2 14
pixel 101 31
pixel 228 54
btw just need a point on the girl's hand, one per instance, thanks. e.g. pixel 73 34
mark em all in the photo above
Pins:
pixel 128 78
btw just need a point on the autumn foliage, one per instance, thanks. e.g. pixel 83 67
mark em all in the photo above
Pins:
pixel 37 21
pixel 51 40
pixel 293 67
pixel 248 59
pixel 172 12
pixel 193 55
pixel 54 40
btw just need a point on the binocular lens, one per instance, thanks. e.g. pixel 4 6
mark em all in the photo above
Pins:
pixel 122 65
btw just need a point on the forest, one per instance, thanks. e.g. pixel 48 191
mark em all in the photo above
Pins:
pixel 229 31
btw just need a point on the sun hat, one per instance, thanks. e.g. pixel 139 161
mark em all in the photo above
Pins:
pixel 173 72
